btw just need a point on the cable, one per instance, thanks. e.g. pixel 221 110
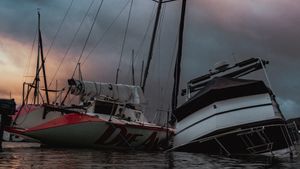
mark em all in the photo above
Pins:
pixel 72 41
pixel 88 37
pixel 123 43
pixel 59 28
pixel 146 32
pixel 105 33
pixel 29 58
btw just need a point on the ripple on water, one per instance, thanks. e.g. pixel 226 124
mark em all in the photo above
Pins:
pixel 31 156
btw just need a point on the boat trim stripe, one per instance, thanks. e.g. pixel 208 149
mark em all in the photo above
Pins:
pixel 241 108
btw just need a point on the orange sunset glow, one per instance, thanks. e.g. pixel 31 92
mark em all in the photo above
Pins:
pixel 17 65
pixel 13 56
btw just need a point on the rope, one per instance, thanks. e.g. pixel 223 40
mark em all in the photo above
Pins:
pixel 146 33
pixel 105 32
pixel 123 43
pixel 72 41
pixel 59 28
pixel 29 58
pixel 88 37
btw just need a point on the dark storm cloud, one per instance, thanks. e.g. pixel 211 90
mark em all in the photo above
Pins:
pixel 215 30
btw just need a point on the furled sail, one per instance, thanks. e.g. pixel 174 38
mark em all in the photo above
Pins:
pixel 119 92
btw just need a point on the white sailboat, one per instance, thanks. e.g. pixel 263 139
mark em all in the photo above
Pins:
pixel 108 116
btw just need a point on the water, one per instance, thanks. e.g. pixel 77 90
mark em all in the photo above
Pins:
pixel 27 155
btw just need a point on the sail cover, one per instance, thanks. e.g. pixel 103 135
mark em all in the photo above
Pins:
pixel 119 92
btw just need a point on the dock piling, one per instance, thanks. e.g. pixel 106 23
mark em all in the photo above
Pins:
pixel 7 108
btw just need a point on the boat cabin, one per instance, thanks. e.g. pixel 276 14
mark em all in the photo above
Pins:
pixel 121 111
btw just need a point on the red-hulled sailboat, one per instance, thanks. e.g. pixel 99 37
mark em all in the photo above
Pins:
pixel 108 116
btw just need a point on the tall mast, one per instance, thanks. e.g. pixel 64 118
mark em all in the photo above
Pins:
pixel 158 11
pixel 178 58
pixel 43 61
pixel 38 68
pixel 37 75
pixel 132 67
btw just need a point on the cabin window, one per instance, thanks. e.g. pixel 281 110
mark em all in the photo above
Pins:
pixel 104 107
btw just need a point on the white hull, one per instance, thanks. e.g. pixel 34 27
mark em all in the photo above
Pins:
pixel 33 115
pixel 78 130
pixel 225 124
pixel 238 111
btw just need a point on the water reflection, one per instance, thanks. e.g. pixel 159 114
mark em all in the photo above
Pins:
pixel 34 157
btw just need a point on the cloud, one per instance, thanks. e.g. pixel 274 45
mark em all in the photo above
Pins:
pixel 290 108
pixel 214 30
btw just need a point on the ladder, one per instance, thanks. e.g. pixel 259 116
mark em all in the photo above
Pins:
pixel 256 140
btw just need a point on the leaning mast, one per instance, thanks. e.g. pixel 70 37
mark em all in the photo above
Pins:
pixel 39 67
pixel 156 22
pixel 158 11
pixel 177 68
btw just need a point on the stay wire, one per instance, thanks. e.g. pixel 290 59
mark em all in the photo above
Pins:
pixel 88 37
pixel 72 41
pixel 59 28
pixel 105 33
pixel 146 33
pixel 159 50
pixel 123 43
pixel 29 57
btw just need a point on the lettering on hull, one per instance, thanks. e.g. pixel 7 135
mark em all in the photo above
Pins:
pixel 119 136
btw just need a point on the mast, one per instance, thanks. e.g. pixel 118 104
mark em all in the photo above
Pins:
pixel 37 75
pixel 158 11
pixel 43 60
pixel 132 68
pixel 38 68
pixel 177 68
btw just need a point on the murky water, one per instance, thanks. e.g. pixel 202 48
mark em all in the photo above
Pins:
pixel 26 155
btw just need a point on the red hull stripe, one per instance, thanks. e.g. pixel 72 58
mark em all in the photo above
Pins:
pixel 74 118
pixel 64 120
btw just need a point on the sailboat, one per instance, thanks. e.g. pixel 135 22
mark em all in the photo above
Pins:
pixel 226 113
pixel 109 115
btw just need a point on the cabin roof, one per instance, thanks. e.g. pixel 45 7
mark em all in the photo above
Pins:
pixel 218 89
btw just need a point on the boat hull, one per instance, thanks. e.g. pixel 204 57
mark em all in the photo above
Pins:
pixel 243 125
pixel 79 130
pixel 256 138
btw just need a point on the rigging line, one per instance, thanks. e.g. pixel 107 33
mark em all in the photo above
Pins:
pixel 105 32
pixel 29 58
pixel 159 48
pixel 71 44
pixel 123 43
pixel 156 56
pixel 157 66
pixel 145 34
pixel 88 37
pixel 59 28
pixel 170 68
pixel 152 43
pixel 164 93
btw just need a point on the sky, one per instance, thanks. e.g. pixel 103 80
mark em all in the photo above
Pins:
pixel 215 30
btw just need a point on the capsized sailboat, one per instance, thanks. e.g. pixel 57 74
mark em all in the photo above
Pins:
pixel 108 116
